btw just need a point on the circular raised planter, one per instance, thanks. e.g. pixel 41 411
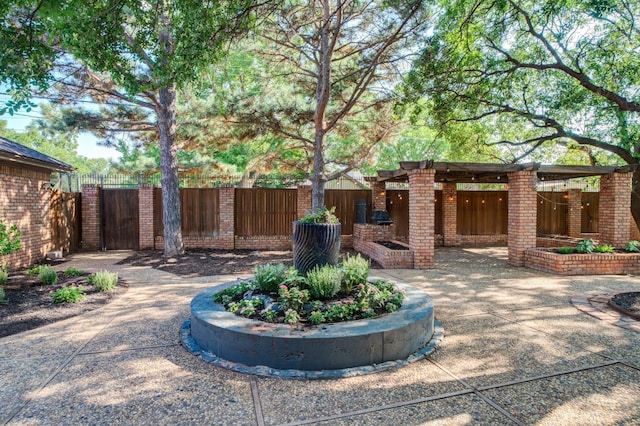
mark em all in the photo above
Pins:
pixel 315 244
pixel 327 350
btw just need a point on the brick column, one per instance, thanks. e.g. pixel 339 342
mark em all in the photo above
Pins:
pixel 90 217
pixel 574 213
pixel 378 195
pixel 304 200
pixel 615 209
pixel 145 217
pixel 422 217
pixel 227 196
pixel 450 214
pixel 523 209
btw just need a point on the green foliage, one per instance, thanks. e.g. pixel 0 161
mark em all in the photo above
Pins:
pixel 317 317
pixel 233 292
pixel 291 317
pixel 633 246
pixel 246 307
pixel 269 277
pixel 355 270
pixel 585 246
pixel 324 281
pixel 269 315
pixel 4 276
pixel 47 275
pixel 69 294
pixel 2 294
pixel 35 270
pixel 604 248
pixel 73 272
pixel 103 280
pixel 292 298
pixel 9 239
pixel 322 215
pixel 565 250
pixel 379 295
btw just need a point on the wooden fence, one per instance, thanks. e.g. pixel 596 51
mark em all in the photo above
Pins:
pixel 199 208
pixel 482 212
pixel 345 203
pixel 66 225
pixel 552 213
pixel 263 211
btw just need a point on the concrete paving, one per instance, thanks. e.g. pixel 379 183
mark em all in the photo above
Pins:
pixel 516 351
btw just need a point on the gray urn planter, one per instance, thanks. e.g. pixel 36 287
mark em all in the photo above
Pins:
pixel 315 244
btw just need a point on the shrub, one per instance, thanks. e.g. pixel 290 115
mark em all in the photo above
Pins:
pixel 269 277
pixel 9 239
pixel 565 250
pixel 322 215
pixel 317 317
pixel 324 281
pixel 1 294
pixel 4 277
pixel 355 270
pixel 73 272
pixel 585 246
pixel 103 280
pixel 292 298
pixel 47 275
pixel 604 248
pixel 633 246
pixel 70 294
pixel 35 270
pixel 235 291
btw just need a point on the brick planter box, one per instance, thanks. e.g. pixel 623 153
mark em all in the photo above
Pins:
pixel 387 258
pixel 582 264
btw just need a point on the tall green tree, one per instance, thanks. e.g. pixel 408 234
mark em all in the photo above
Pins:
pixel 148 48
pixel 332 70
pixel 537 73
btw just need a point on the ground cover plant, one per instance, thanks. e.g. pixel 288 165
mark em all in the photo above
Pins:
pixel 326 294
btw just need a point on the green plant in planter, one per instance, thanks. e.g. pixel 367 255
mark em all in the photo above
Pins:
pixel 565 250
pixel 633 246
pixel 323 215
pixel 355 270
pixel 604 248
pixel 585 246
pixel 269 277
pixel 292 298
pixel 324 281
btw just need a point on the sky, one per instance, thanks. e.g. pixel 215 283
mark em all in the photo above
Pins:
pixel 87 143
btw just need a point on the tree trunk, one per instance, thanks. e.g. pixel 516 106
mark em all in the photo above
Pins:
pixel 171 219
pixel 635 196
pixel 318 178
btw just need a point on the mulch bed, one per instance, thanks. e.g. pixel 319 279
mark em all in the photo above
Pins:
pixel 627 303
pixel 28 302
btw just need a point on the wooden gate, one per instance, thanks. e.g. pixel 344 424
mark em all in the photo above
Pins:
pixel 120 217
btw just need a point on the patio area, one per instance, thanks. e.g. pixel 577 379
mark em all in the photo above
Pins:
pixel 516 351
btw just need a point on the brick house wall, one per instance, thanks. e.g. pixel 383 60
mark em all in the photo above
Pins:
pixel 25 202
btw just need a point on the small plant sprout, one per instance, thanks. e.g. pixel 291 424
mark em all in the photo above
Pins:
pixel 633 246
pixel 604 248
pixel 585 246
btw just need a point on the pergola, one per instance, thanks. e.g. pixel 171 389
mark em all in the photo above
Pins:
pixel 522 180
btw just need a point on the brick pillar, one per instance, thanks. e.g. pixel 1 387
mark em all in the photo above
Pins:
pixel 574 213
pixel 523 209
pixel 615 209
pixel 422 217
pixel 145 218
pixel 227 195
pixel 378 195
pixel 304 200
pixel 91 217
pixel 450 214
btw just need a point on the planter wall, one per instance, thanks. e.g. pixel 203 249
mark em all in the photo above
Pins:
pixel 582 264
pixel 315 244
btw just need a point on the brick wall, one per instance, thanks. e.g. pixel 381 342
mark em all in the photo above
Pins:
pixel 615 208
pixel 422 217
pixel 378 195
pixel 387 258
pixel 91 217
pixel 583 264
pixel 574 212
pixel 25 202
pixel 523 209
pixel 450 214
pixel 304 200
pixel 145 217
pixel 369 232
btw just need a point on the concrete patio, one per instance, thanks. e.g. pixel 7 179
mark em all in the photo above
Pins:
pixel 516 351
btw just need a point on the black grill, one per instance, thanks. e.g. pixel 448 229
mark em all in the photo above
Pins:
pixel 381 217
